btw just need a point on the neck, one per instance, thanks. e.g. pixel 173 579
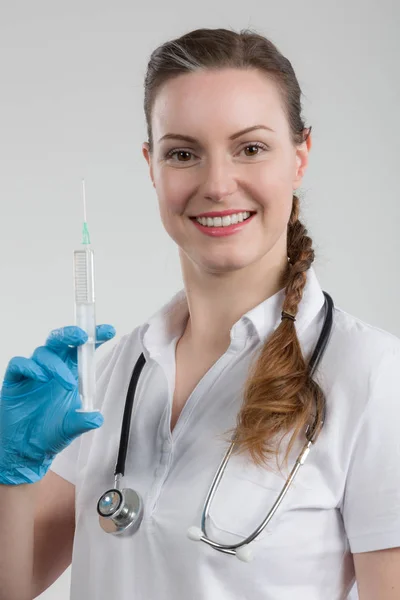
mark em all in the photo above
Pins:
pixel 216 302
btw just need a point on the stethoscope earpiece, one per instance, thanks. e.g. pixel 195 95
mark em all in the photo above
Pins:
pixel 243 553
pixel 120 511
pixel 194 533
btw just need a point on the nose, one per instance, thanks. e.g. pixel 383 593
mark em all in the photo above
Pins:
pixel 219 179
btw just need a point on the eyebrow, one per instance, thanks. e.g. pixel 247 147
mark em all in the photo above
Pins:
pixel 188 138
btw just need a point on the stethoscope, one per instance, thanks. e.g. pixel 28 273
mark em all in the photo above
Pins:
pixel 121 510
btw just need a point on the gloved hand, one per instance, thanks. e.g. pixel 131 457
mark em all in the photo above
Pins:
pixel 37 405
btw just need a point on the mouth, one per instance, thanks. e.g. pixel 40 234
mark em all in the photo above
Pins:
pixel 214 215
pixel 222 228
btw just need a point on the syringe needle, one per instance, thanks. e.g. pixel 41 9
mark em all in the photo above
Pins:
pixel 85 231
pixel 84 201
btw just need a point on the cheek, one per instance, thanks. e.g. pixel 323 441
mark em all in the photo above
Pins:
pixel 172 204
pixel 271 176
pixel 273 192
pixel 172 195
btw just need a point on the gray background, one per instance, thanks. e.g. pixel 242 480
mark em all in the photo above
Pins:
pixel 71 106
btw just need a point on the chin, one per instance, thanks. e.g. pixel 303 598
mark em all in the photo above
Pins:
pixel 226 264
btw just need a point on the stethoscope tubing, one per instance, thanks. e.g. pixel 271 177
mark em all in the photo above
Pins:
pixel 129 513
pixel 311 439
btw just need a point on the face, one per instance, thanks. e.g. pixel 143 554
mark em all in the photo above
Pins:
pixel 256 171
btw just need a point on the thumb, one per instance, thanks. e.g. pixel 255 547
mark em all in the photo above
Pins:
pixel 76 423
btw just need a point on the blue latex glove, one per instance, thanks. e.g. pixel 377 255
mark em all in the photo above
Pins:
pixel 38 403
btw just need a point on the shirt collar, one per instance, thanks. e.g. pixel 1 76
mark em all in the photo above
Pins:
pixel 170 320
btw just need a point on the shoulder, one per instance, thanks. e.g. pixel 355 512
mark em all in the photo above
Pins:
pixel 360 360
pixel 361 342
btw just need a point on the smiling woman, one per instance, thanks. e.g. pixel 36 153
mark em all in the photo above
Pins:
pixel 231 354
pixel 228 167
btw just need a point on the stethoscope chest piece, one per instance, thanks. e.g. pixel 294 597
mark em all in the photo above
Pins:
pixel 120 511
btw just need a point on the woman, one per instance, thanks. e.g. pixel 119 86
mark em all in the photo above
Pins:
pixel 226 355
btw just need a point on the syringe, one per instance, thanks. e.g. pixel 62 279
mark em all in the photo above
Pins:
pixel 85 316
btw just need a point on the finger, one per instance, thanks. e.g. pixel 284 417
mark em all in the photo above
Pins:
pixel 104 333
pixel 76 423
pixel 20 368
pixel 61 339
pixel 55 367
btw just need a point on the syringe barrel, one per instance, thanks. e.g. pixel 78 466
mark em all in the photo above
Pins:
pixel 85 318
pixel 84 276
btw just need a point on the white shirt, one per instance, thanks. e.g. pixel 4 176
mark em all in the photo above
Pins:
pixel 345 498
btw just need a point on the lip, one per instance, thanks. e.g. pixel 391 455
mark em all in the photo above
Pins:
pixel 223 231
pixel 223 213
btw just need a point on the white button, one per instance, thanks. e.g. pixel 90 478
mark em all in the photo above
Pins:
pixel 166 446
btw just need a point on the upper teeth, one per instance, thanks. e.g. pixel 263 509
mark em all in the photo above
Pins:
pixel 223 221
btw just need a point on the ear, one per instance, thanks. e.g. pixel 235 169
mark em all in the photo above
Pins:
pixel 146 153
pixel 302 152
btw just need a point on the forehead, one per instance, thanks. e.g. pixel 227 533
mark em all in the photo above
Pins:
pixel 228 99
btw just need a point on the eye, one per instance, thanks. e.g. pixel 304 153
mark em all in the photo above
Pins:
pixel 171 153
pixel 182 151
pixel 256 145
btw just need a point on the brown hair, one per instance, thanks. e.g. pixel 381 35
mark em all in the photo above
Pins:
pixel 279 394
